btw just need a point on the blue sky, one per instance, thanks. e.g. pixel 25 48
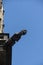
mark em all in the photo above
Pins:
pixel 25 14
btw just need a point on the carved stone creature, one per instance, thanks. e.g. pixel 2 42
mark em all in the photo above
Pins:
pixel 6 48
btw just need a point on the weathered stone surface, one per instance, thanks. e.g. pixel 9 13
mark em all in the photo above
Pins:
pixel 3 57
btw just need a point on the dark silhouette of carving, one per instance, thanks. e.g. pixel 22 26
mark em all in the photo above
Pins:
pixel 14 38
pixel 6 48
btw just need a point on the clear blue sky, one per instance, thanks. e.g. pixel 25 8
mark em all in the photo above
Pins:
pixel 25 14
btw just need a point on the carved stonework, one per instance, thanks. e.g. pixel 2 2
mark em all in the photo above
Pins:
pixel 6 43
